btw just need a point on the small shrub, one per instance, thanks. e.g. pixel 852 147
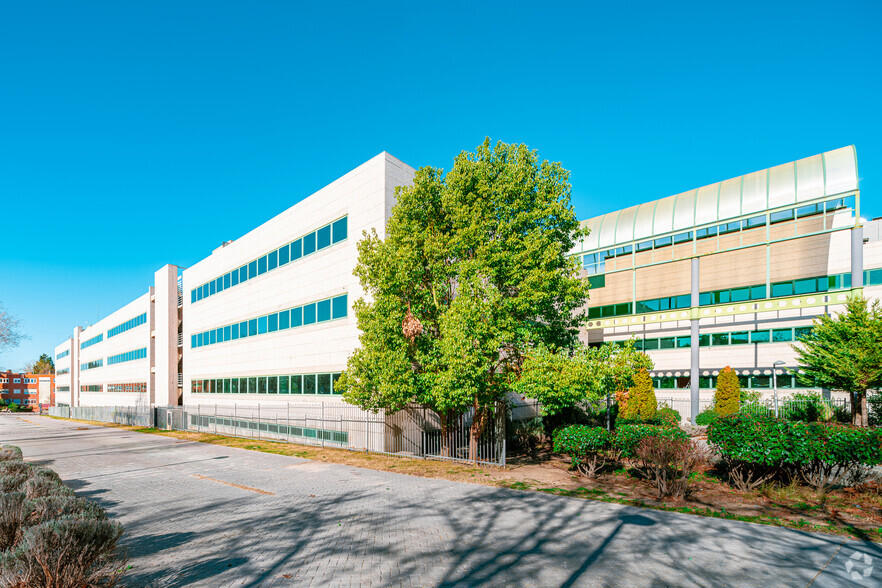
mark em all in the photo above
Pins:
pixel 668 463
pixel 11 453
pixel 641 403
pixel 628 436
pixel 807 407
pixel 64 553
pixel 15 467
pixel 706 417
pixel 47 508
pixel 754 448
pixel 668 416
pixel 751 397
pixel 12 482
pixel 13 515
pixel 42 485
pixel 727 398
pixel 834 454
pixel 588 447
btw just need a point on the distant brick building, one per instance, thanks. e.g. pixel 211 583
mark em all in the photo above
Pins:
pixel 27 389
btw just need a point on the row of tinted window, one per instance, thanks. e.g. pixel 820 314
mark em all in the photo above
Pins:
pixel 62 389
pixel 92 364
pixel 63 354
pixel 92 388
pixel 129 324
pixel 92 341
pixel 296 384
pixel 595 262
pixel 62 372
pixel 213 422
pixel 128 387
pixel 709 382
pixel 728 338
pixel 307 245
pixel 314 312
pixel 127 356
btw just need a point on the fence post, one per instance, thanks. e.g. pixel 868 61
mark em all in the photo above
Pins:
pixel 258 421
pixel 198 417
pixel 323 424
pixel 287 422
pixel 215 419
pixel 501 424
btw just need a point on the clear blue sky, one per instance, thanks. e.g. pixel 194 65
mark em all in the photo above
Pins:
pixel 135 134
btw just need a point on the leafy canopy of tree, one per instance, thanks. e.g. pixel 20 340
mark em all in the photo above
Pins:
pixel 561 380
pixel 43 365
pixel 472 274
pixel 844 352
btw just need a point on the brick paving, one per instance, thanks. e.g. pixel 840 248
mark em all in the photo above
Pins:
pixel 204 515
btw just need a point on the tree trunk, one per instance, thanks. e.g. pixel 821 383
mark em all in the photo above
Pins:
pixel 479 423
pixel 859 412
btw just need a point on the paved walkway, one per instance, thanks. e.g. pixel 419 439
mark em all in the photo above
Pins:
pixel 205 515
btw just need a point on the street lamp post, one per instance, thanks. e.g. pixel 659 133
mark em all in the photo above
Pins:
pixel 775 383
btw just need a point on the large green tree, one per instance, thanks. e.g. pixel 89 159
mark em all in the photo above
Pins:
pixel 561 379
pixel 43 365
pixel 472 273
pixel 844 352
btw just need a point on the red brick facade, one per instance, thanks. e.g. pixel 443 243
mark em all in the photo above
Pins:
pixel 24 389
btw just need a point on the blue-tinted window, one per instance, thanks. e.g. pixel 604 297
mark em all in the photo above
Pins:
pixel 340 230
pixel 779 335
pixel 192 341
pixel 308 314
pixel 309 244
pixel 212 337
pixel 781 216
pixel 340 307
pixel 234 277
pixel 284 318
pixel 323 310
pixel 284 255
pixel 272 260
pixel 645 246
pixel 739 338
pixel 297 316
pixel 682 238
pixel 782 289
pixel 272 322
pixel 740 294
pixel 759 337
pixel 219 284
pixel 296 249
pixel 757 221
pixel 243 273
pixel 227 336
pixel 261 266
pixel 212 287
pixel 757 292
pixel 193 296
pixel 226 281
pixel 252 269
pixel 199 293
pixel 243 329
pixel 234 331
pixel 252 327
pixel 323 237
pixel 261 325
pixel 220 334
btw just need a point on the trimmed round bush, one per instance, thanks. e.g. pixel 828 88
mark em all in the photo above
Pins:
pixel 586 446
pixel 627 437
pixel 706 417
pixel 727 398
pixel 668 416
pixel 10 453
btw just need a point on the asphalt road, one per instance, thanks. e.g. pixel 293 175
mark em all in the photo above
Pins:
pixel 203 515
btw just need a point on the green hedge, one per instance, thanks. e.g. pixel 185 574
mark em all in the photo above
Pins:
pixel 584 444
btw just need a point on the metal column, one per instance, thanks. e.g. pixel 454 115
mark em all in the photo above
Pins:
pixel 694 369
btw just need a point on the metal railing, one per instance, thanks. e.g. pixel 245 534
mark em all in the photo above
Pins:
pixel 414 431
pixel 800 408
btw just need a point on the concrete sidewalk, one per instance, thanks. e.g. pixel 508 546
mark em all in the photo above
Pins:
pixel 206 515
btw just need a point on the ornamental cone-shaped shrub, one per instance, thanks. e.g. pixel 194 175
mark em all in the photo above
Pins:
pixel 727 398
pixel 641 402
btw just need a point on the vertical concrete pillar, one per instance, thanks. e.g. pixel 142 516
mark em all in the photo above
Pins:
pixel 166 340
pixel 857 257
pixel 75 367
pixel 694 367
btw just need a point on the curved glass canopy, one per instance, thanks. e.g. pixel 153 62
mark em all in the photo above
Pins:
pixel 827 174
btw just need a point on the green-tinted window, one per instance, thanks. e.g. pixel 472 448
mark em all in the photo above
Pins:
pixel 740 294
pixel 782 289
pixel 650 344
pixel 703 340
pixel 744 381
pixel 334 378
pixel 340 230
pixel 283 384
pixel 759 337
pixel 684 342
pixel 261 384
pixel 309 384
pixel 739 338
pixel 296 384
pixel 340 306
pixel 323 237
pixel 806 286
pixel 802 331
pixel 324 383
pixel 597 281
pixel 705 382
pixel 309 244
pixel 227 386
pixel 782 335
pixel 761 381
pixel 323 310
pixel 234 386
pixel 719 338
pixel 757 292
pixel 666 343
pixel 272 385
pixel 252 385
